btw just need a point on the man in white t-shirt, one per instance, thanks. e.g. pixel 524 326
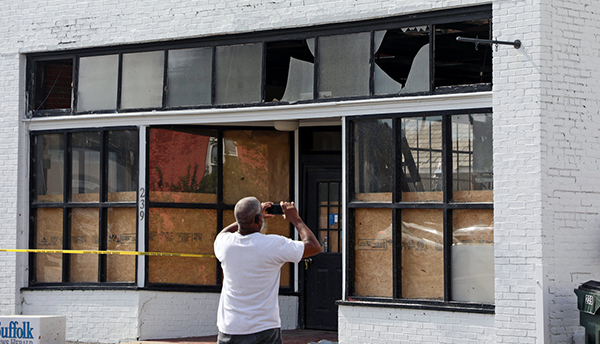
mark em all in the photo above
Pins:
pixel 249 307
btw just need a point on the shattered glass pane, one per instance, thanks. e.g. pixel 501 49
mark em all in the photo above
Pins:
pixel 289 71
pixel 238 73
pixel 189 77
pixel 344 65
pixel 402 61
pixel 97 88
pixel 142 85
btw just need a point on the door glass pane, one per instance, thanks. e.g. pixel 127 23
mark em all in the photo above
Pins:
pixel 473 176
pixel 182 231
pixel 121 234
pixel 343 68
pixel 421 146
pixel 256 163
pixel 459 63
pixel 84 236
pixel 49 164
pixel 183 165
pixel 373 253
pixel 402 60
pixel 473 255
pixel 189 77
pixel 373 160
pixel 122 165
pixel 142 85
pixel 238 73
pixel 97 87
pixel 422 254
pixel 86 167
pixel 48 235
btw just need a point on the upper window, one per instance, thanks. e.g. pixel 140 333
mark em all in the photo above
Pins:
pixel 414 55
pixel 421 211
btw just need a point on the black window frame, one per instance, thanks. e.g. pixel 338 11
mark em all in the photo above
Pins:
pixel 431 19
pixel 397 205
pixel 67 205
pixel 220 206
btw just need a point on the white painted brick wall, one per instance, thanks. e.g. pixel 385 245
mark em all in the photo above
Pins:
pixel 373 325
pixel 92 316
pixel 545 157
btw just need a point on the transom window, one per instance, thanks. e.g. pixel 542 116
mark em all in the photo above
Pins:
pixel 407 55
pixel 421 209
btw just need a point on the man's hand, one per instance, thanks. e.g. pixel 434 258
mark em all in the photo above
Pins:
pixel 265 206
pixel 311 244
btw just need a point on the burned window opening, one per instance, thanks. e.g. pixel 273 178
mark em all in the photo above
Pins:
pixel 402 61
pixel 289 71
pixel 53 84
pixel 456 66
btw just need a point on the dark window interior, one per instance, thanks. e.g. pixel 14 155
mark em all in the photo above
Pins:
pixel 459 63
pixel 53 84
pixel 278 59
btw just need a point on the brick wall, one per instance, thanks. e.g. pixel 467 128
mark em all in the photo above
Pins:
pixel 545 152
pixel 408 326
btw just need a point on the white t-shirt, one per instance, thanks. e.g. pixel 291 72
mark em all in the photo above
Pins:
pixel 251 265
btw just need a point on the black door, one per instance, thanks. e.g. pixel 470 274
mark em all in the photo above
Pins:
pixel 323 272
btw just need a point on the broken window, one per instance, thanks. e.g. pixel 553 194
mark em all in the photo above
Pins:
pixel 402 61
pixel 189 77
pixel 142 85
pixel 458 63
pixel 289 70
pixel 53 85
pixel 343 69
pixel 238 73
pixel 98 82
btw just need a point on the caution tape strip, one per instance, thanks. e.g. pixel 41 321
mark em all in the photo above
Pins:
pixel 125 253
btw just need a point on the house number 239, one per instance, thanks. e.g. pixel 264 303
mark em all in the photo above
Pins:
pixel 142 206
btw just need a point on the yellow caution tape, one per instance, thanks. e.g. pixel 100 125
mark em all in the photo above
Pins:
pixel 125 253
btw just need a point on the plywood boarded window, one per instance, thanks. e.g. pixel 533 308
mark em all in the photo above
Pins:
pixel 97 170
pixel 436 219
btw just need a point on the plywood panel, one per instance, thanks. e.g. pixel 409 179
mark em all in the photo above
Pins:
pixel 473 227
pixel 49 235
pixel 84 236
pixel 256 164
pixel 374 197
pixel 373 253
pixel 422 254
pixel 183 197
pixel 123 196
pixel 430 196
pixel 473 196
pixel 121 236
pixel 182 231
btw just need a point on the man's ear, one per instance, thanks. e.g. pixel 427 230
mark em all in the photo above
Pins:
pixel 256 218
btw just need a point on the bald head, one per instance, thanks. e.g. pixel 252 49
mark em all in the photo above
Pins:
pixel 246 210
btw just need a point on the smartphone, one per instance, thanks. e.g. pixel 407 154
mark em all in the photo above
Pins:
pixel 275 209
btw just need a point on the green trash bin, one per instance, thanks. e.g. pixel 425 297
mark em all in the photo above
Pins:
pixel 588 303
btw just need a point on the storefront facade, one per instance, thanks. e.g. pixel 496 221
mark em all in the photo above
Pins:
pixel 450 183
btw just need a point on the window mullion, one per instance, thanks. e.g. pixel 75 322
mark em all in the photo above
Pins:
pixel 447 198
pixel 67 189
pixel 102 211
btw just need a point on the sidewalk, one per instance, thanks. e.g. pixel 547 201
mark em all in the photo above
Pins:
pixel 289 337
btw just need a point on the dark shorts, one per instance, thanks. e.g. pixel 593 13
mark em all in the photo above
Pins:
pixel 272 336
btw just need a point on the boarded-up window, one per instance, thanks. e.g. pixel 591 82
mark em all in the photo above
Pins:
pixel 426 233
pixel 98 170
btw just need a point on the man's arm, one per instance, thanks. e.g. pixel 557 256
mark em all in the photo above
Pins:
pixel 231 228
pixel 311 244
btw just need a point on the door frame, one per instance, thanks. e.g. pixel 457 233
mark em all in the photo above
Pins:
pixel 309 162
